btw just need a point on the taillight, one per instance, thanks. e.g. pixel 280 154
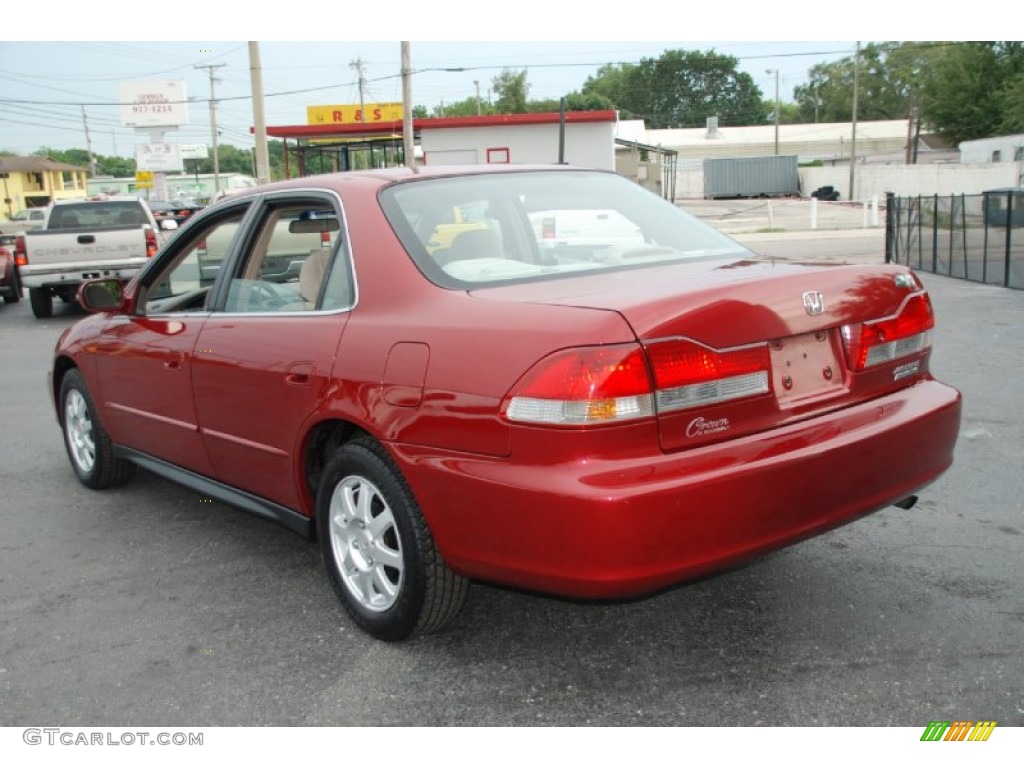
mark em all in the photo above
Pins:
pixel 325 239
pixel 547 228
pixel 151 243
pixel 586 385
pixel 890 338
pixel 594 385
pixel 688 374
pixel 20 254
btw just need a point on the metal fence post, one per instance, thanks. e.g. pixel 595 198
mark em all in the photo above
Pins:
pixel 963 232
pixel 1009 229
pixel 890 214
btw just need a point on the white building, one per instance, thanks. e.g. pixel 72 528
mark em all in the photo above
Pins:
pixel 588 139
pixel 1001 149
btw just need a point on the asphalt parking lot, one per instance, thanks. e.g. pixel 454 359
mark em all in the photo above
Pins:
pixel 146 605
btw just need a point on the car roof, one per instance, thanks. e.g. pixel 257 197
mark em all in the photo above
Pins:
pixel 382 177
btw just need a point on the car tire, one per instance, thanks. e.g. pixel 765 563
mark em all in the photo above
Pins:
pixel 89 447
pixel 378 550
pixel 41 301
pixel 15 294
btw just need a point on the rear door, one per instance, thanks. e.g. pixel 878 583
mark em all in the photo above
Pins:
pixel 263 359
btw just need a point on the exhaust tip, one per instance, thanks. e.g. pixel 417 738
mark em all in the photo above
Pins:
pixel 906 503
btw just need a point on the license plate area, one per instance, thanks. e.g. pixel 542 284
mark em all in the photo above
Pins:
pixel 805 368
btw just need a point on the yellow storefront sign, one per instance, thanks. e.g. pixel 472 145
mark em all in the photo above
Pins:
pixel 350 114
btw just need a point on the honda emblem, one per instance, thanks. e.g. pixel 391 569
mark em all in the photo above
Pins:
pixel 814 303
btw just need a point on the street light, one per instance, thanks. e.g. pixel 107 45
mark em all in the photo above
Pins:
pixel 776 73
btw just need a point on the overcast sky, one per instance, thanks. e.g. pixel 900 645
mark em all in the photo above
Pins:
pixel 44 86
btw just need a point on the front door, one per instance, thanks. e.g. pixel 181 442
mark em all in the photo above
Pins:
pixel 145 360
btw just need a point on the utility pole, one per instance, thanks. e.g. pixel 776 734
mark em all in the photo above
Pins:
pixel 88 143
pixel 213 123
pixel 477 84
pixel 408 148
pixel 853 133
pixel 776 73
pixel 262 155
pixel 357 65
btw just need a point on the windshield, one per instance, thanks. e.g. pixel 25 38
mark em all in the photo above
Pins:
pixel 499 228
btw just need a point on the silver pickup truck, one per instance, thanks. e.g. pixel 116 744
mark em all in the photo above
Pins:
pixel 85 239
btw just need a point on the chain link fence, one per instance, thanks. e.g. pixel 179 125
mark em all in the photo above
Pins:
pixel 972 237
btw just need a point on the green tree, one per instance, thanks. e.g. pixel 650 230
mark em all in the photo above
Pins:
pixel 512 90
pixel 788 113
pixel 105 165
pixel 574 102
pixel 464 108
pixel 682 88
pixel 115 166
pixel 973 90
pixel 1013 110
pixel 889 81
pixel 610 82
pixel 961 90
pixel 230 159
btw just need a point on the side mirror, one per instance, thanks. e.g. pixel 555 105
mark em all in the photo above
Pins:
pixel 168 224
pixel 104 295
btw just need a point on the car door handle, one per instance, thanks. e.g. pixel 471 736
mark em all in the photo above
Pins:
pixel 300 373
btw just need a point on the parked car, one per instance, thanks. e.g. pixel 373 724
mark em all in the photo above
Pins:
pixel 30 218
pixel 597 424
pixel 177 210
pixel 10 285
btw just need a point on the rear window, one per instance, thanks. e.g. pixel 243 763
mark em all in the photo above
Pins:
pixel 511 227
pixel 124 213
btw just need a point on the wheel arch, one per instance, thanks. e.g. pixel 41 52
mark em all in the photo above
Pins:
pixel 320 442
pixel 61 365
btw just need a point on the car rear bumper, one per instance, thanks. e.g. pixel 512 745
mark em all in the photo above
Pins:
pixel 40 276
pixel 621 529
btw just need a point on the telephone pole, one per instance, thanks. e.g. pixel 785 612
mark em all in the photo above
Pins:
pixel 408 142
pixel 262 154
pixel 88 143
pixel 357 65
pixel 213 123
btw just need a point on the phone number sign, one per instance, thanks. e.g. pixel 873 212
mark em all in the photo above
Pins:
pixel 153 103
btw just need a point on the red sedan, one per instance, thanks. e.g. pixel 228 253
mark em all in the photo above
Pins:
pixel 537 376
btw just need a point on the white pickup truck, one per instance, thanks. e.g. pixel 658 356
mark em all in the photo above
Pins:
pixel 85 239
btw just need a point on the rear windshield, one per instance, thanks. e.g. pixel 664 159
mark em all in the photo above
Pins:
pixel 123 213
pixel 499 228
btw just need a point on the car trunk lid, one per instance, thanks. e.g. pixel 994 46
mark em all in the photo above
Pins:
pixel 737 347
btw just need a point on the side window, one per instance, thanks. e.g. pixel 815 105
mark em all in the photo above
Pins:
pixel 185 281
pixel 288 266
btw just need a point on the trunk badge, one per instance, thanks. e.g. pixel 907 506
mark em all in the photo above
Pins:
pixel 814 303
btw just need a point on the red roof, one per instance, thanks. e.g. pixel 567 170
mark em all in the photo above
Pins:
pixel 419 123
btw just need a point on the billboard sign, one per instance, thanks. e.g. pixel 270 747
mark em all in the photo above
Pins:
pixel 153 103
pixel 157 157
pixel 352 114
